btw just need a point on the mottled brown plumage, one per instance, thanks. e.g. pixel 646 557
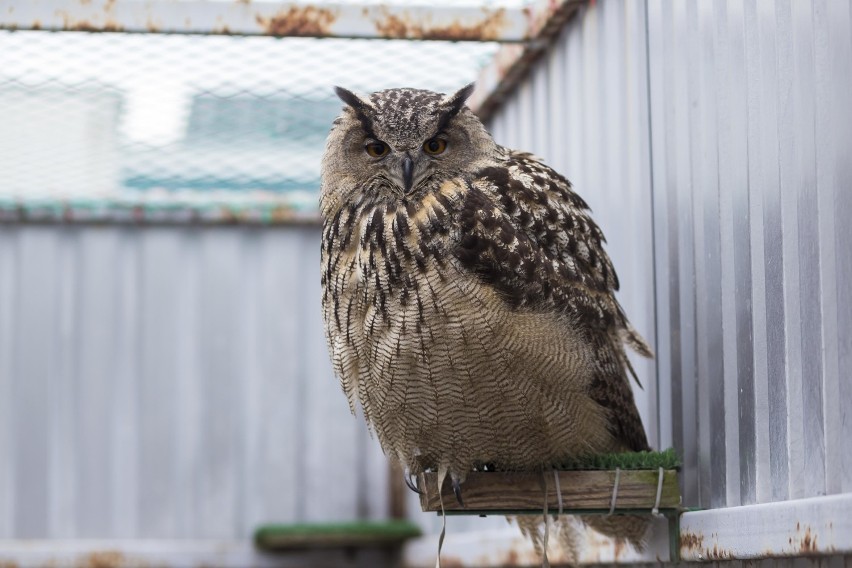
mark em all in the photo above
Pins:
pixel 467 297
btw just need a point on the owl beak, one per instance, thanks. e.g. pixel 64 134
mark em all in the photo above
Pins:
pixel 407 173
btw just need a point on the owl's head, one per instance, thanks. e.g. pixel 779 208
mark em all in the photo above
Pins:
pixel 399 143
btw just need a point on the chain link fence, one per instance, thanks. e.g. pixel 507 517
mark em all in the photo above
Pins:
pixel 180 127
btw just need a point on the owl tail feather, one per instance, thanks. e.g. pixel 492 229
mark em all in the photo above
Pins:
pixel 636 342
pixel 624 528
pixel 564 545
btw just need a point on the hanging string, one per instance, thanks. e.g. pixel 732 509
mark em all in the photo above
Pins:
pixel 545 563
pixel 656 510
pixel 614 491
pixel 558 490
pixel 442 473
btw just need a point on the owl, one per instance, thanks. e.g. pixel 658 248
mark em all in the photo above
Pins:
pixel 468 302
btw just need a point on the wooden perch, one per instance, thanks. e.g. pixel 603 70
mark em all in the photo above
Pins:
pixel 583 491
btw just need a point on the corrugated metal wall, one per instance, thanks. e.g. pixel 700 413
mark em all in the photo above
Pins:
pixel 171 382
pixel 734 221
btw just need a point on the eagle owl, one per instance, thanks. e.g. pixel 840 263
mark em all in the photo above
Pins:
pixel 467 298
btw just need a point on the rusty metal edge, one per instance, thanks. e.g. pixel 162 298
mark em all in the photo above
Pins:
pixel 818 526
pixel 276 19
pixel 512 63
pixel 140 217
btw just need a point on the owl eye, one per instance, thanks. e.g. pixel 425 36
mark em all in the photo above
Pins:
pixel 435 146
pixel 377 149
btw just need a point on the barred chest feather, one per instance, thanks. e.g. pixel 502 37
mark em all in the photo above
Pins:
pixel 443 367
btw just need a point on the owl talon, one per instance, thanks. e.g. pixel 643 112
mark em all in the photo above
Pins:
pixel 457 491
pixel 411 482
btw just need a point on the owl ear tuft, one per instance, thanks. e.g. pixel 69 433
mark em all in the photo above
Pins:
pixel 360 106
pixel 456 101
pixel 357 103
pixel 452 105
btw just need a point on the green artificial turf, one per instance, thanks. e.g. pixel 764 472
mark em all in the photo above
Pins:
pixel 667 459
pixel 324 535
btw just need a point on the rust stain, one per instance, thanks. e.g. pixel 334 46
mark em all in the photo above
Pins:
pixel 807 543
pixel 694 542
pixel 394 26
pixel 103 559
pixel 70 24
pixel 85 26
pixel 691 541
pixel 36 25
pixel 8 564
pixel 718 553
pixel 299 21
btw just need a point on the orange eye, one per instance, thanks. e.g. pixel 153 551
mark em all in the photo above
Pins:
pixel 435 146
pixel 377 149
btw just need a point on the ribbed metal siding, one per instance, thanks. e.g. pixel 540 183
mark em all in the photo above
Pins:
pixel 171 382
pixel 746 108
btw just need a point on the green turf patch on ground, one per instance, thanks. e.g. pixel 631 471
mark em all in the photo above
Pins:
pixel 328 535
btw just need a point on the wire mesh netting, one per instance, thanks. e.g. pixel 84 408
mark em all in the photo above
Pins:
pixel 123 125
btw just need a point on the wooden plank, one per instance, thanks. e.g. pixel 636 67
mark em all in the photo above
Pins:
pixel 584 489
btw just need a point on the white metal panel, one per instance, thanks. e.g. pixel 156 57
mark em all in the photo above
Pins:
pixel 83 441
pixel 803 527
pixel 755 419
pixel 760 81
pixel 34 357
pixel 8 309
pixel 171 382
pixel 839 430
pixel 124 438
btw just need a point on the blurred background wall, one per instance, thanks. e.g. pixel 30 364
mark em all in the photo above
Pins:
pixel 171 382
pixel 163 372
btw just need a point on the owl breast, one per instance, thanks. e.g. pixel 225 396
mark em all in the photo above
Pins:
pixel 446 371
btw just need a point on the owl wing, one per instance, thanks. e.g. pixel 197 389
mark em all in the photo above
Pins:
pixel 524 231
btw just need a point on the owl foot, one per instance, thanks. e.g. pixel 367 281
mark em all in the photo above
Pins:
pixel 457 491
pixel 411 481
